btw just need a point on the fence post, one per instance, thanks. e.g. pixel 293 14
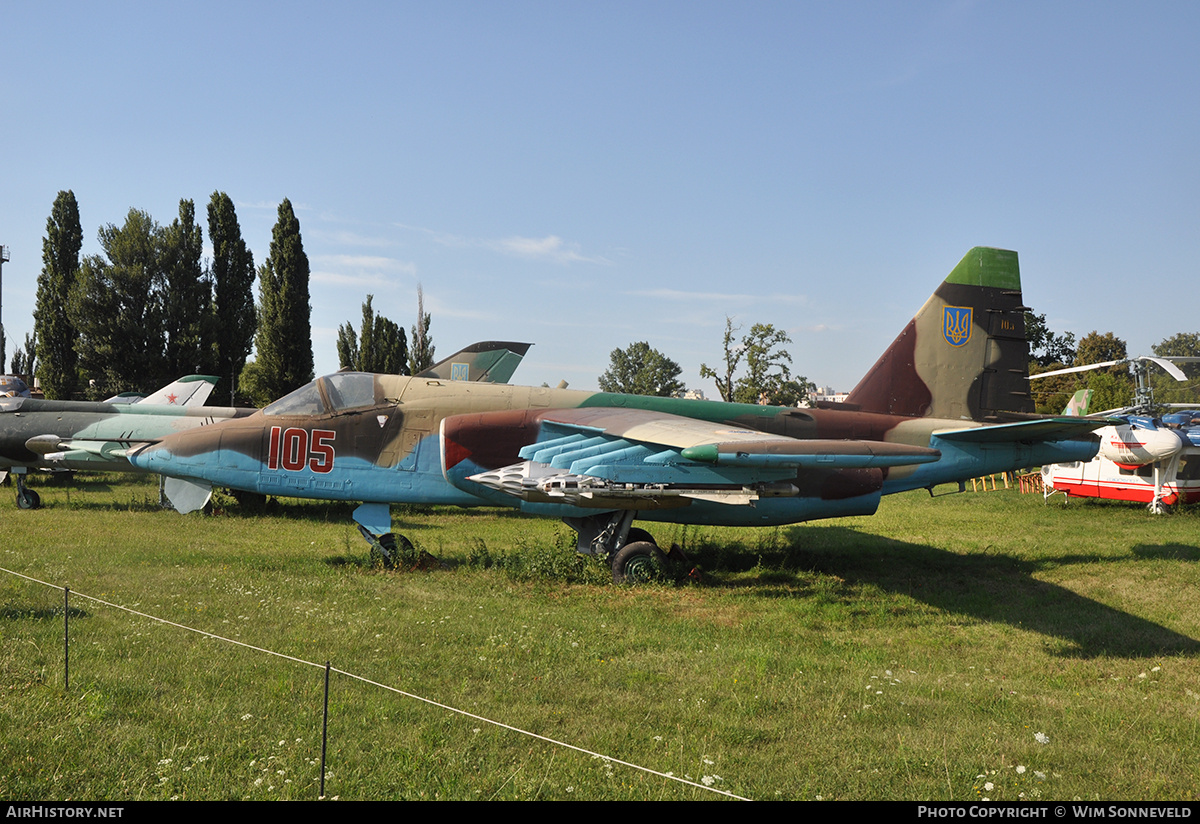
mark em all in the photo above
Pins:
pixel 66 639
pixel 324 728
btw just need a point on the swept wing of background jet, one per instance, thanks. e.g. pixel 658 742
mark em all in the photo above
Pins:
pixel 949 400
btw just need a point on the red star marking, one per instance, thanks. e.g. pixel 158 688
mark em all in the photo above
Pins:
pixel 172 398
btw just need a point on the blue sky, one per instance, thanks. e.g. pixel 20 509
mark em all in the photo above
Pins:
pixel 585 175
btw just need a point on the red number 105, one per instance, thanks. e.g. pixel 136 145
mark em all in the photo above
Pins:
pixel 291 448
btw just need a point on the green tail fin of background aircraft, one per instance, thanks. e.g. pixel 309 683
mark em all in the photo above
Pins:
pixel 492 361
pixel 1079 403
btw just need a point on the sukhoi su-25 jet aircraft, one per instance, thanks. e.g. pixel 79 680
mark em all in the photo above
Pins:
pixel 949 400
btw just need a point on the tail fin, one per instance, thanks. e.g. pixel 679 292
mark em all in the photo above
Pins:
pixel 492 361
pixel 1079 403
pixel 192 390
pixel 964 355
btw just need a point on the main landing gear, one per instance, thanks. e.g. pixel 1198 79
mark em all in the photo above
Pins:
pixel 632 552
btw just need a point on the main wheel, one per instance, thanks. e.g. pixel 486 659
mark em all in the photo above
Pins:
pixel 28 499
pixel 636 534
pixel 638 563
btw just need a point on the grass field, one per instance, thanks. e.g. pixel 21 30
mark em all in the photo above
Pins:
pixel 969 646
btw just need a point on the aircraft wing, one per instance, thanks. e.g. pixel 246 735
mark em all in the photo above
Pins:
pixel 54 448
pixel 641 459
pixel 1048 429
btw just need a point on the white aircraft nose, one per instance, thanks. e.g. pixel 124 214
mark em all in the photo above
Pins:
pixel 1135 446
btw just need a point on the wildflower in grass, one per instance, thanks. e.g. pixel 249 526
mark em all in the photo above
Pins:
pixel 1041 738
pixel 1020 769
pixel 989 786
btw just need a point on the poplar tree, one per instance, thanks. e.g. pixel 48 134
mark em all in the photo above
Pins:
pixel 232 274
pixel 186 296
pixel 116 308
pixel 284 339
pixel 420 355
pixel 380 345
pixel 57 361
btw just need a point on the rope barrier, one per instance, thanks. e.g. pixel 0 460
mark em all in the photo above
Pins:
pixel 398 691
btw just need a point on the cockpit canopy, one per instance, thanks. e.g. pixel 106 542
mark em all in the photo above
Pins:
pixel 330 395
pixel 13 387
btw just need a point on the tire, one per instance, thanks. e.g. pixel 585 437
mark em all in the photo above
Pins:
pixel 28 499
pixel 637 535
pixel 388 550
pixel 638 563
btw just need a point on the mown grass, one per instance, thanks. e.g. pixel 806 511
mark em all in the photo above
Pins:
pixel 922 653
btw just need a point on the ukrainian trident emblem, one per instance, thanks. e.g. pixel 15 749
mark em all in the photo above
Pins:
pixel 957 325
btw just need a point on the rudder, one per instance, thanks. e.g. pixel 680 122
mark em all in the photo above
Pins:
pixel 964 354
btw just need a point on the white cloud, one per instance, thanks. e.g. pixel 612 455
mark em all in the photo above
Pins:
pixel 551 247
pixel 719 297
pixel 360 270
pixel 367 262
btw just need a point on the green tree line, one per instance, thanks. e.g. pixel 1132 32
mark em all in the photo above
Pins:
pixel 148 309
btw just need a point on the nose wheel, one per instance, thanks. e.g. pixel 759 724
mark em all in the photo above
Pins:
pixel 27 498
pixel 388 549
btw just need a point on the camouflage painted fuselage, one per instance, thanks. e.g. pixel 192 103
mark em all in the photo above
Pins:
pixel 427 444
